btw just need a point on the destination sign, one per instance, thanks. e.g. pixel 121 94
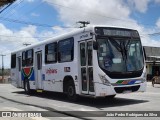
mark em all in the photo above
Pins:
pixel 117 32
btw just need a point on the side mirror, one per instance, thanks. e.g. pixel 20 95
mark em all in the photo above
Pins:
pixel 95 45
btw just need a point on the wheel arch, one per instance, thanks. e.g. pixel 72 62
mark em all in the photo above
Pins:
pixel 66 80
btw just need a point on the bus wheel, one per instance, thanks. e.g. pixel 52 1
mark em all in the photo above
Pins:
pixel 71 93
pixel 27 87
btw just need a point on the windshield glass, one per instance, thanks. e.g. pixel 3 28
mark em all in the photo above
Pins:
pixel 120 55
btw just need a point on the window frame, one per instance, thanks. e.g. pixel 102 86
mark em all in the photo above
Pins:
pixel 29 59
pixel 13 61
pixel 24 59
pixel 72 50
pixel 54 51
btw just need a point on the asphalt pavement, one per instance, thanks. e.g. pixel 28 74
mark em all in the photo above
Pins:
pixel 56 104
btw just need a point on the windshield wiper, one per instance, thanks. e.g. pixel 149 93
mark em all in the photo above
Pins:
pixel 116 45
pixel 120 47
pixel 125 48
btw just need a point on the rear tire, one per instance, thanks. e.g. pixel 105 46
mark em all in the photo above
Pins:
pixel 71 92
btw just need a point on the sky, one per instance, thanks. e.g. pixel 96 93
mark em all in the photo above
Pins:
pixel 31 21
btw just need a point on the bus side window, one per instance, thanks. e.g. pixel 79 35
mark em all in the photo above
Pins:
pixel 23 59
pixel 29 57
pixel 66 50
pixel 13 61
pixel 51 53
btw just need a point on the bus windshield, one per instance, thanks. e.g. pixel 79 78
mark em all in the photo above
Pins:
pixel 120 54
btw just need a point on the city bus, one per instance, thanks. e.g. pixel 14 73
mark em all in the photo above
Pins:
pixel 95 61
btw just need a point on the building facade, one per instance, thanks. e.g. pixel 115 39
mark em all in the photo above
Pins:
pixel 152 61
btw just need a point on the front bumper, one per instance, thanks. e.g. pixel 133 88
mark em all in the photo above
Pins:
pixel 103 90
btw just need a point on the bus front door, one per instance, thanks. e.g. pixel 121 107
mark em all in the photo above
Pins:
pixel 86 67
pixel 38 70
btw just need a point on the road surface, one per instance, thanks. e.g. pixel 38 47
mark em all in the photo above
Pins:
pixel 14 99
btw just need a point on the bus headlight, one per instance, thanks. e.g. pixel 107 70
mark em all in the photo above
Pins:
pixel 104 80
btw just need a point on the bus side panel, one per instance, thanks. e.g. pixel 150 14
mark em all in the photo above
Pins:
pixel 54 75
pixel 32 85
pixel 51 80
pixel 14 70
pixel 14 77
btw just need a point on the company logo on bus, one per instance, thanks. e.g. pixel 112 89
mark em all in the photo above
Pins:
pixel 51 71
pixel 85 36
pixel 28 73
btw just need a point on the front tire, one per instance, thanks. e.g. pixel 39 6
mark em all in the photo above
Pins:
pixel 71 92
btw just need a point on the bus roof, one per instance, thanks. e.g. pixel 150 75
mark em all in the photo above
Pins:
pixel 65 36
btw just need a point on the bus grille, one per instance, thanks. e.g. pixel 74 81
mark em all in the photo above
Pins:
pixel 122 89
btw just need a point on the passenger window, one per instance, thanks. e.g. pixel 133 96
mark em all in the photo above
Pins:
pixel 19 63
pixel 51 53
pixel 66 50
pixel 13 61
pixel 23 59
pixel 29 57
